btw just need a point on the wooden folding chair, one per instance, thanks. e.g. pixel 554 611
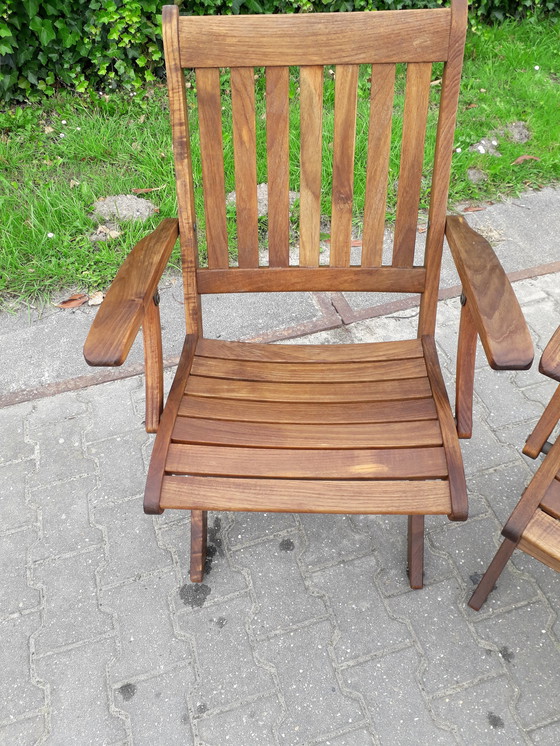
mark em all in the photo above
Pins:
pixel 534 525
pixel 364 428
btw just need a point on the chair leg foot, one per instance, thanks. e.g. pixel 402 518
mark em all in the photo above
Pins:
pixel 198 545
pixel 416 551
pixel 492 574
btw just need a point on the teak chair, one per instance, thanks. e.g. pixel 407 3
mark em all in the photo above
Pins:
pixel 534 525
pixel 364 428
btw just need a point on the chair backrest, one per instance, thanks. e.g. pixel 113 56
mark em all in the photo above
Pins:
pixel 342 41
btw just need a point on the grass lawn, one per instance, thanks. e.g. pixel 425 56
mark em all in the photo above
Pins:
pixel 58 158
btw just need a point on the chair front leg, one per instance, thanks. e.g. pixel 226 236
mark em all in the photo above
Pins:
pixel 492 574
pixel 416 551
pixel 199 520
pixel 537 441
pixel 466 356
pixel 153 362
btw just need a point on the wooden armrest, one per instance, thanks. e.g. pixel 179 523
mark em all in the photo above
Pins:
pixel 120 315
pixel 550 360
pixel 495 310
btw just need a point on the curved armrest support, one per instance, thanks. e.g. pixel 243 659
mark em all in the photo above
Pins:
pixel 121 314
pixel 550 360
pixel 495 310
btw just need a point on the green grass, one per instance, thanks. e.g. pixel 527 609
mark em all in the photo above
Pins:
pixel 114 144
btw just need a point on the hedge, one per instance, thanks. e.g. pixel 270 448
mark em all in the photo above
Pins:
pixel 103 44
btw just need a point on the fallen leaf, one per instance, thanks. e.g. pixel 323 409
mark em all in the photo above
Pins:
pixel 113 233
pixel 436 82
pixel 74 183
pixel 522 158
pixel 145 191
pixel 357 242
pixel 473 209
pixel 471 106
pixel 142 119
pixel 96 299
pixel 422 228
pixel 78 299
pixel 48 130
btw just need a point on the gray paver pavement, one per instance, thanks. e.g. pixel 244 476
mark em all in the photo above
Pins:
pixel 305 630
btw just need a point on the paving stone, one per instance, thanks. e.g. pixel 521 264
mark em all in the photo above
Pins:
pixel 549 735
pixel 18 694
pixel 14 510
pixel 402 325
pixel 65 520
pixel 249 527
pixel 273 567
pixel 399 712
pixel 331 538
pixel 227 670
pixel 542 319
pixel 484 450
pixel 113 413
pixel 502 487
pixel 60 454
pixel 545 578
pixel 122 471
pixel 442 631
pixel 148 644
pixel 23 732
pixel 471 546
pixel 250 725
pixel 70 598
pixel 15 594
pixel 157 708
pixel 482 713
pixel 506 403
pixel 132 547
pixel 531 657
pixel 389 535
pixel 315 705
pixel 541 393
pixel 14 447
pixel 361 737
pixel 219 576
pixel 363 624
pixel 79 700
pixel 65 408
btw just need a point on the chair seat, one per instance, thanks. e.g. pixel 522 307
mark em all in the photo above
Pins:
pixel 307 428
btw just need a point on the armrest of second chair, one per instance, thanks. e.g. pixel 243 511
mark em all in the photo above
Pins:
pixel 490 298
pixel 121 314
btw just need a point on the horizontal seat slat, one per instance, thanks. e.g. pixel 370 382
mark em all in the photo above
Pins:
pixel 246 370
pixel 307 464
pixel 541 539
pixel 410 388
pixel 311 279
pixel 379 435
pixel 278 353
pixel 400 497
pixel 311 412
pixel 297 39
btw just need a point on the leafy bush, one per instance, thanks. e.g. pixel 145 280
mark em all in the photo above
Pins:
pixel 103 44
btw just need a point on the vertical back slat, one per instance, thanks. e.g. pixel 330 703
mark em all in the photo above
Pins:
pixel 183 168
pixel 278 165
pixel 442 165
pixel 245 158
pixel 311 125
pixel 210 126
pixel 412 157
pixel 345 102
pixel 379 149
